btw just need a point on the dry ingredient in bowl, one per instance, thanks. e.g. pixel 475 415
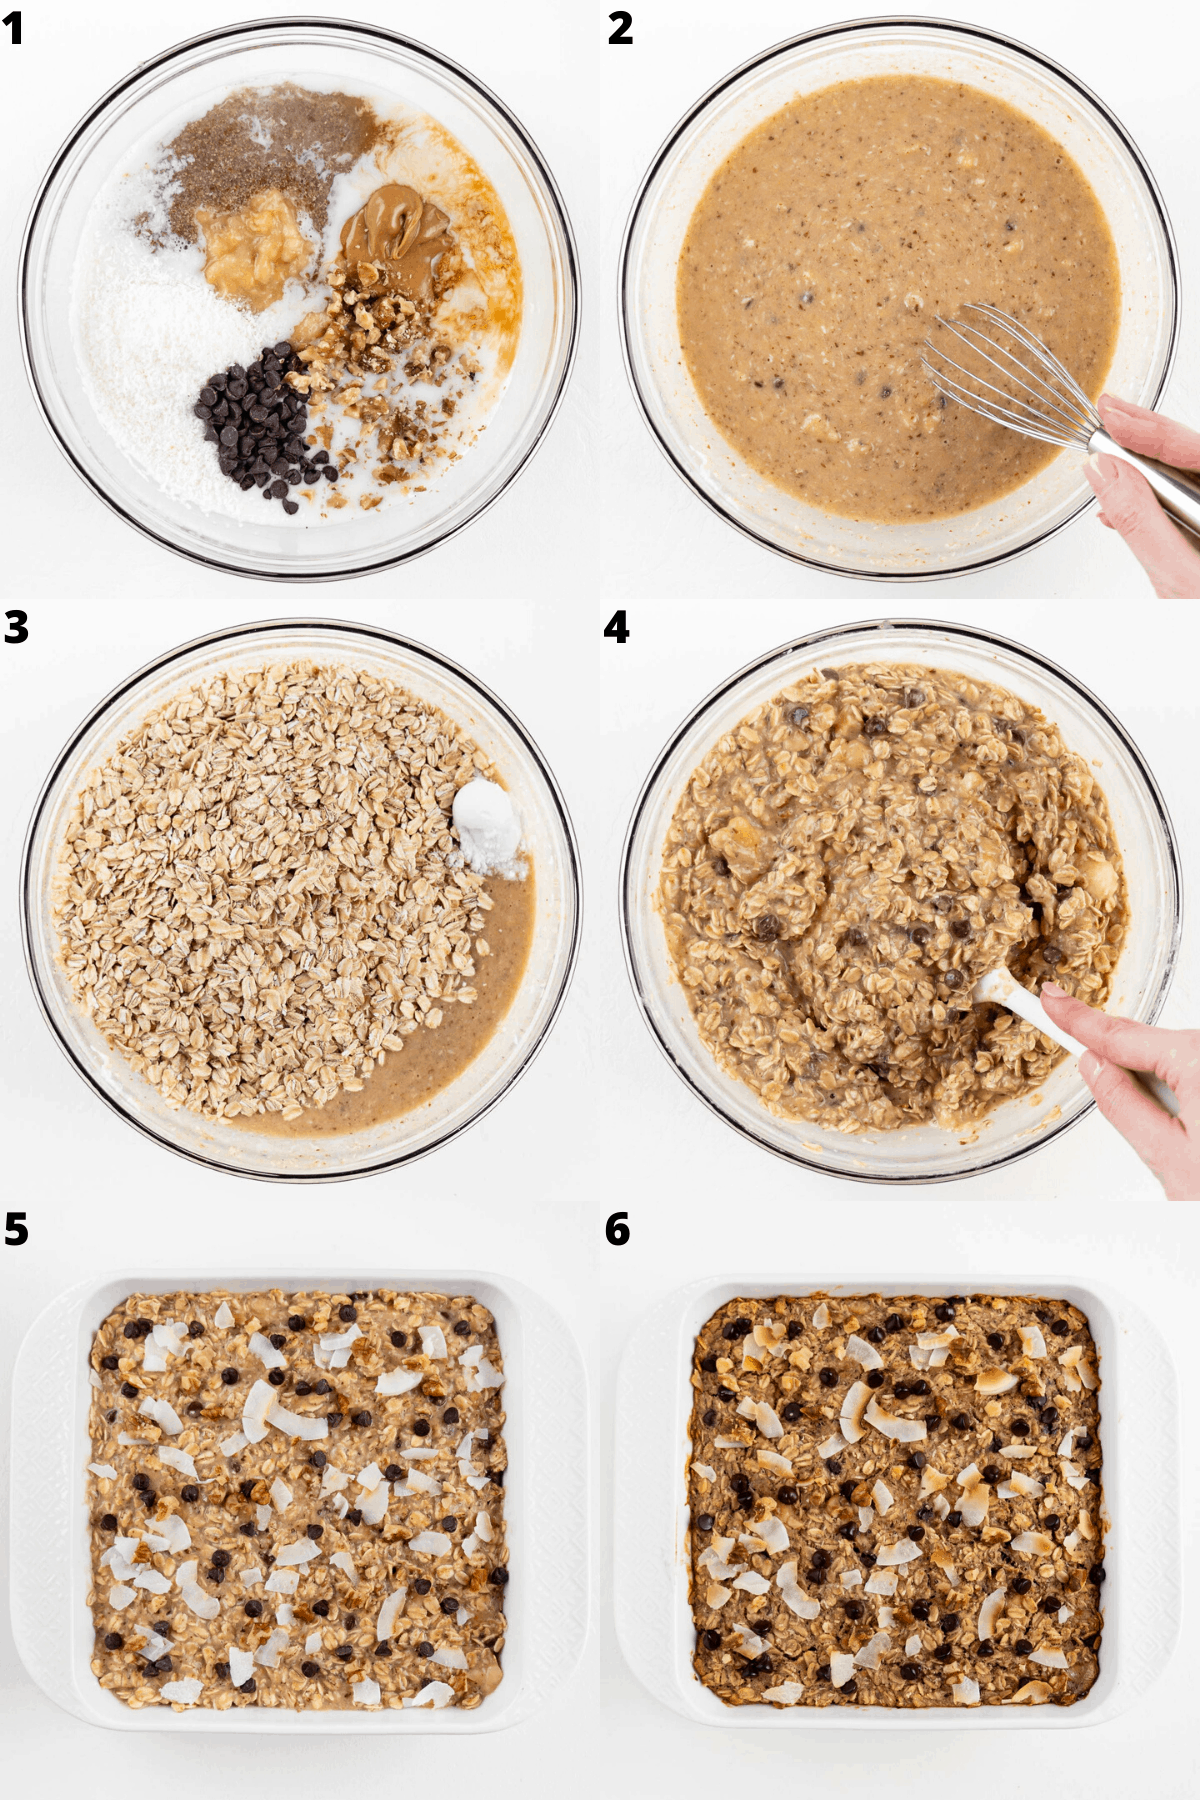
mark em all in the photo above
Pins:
pixel 296 1500
pixel 847 862
pixel 896 1502
pixel 284 221
pixel 262 897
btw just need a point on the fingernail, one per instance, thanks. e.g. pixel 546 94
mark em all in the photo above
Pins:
pixel 1104 472
pixel 1113 401
pixel 1055 992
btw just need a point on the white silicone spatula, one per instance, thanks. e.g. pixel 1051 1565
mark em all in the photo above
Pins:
pixel 999 987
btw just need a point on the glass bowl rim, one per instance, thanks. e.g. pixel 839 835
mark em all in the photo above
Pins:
pixel 867 629
pixel 265 629
pixel 245 29
pixel 849 29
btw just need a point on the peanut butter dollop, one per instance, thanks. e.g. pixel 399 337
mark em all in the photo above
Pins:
pixel 402 236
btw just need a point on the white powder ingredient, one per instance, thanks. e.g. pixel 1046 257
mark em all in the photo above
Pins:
pixel 488 828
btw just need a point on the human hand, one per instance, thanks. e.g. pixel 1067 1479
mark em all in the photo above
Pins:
pixel 1169 557
pixel 1169 1147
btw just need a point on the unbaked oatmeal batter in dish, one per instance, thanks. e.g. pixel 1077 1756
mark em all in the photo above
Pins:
pixel 896 1502
pixel 296 1500
pixel 845 865
pixel 276 900
pixel 819 256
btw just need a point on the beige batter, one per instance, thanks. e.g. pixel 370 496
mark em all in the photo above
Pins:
pixel 819 256
pixel 431 1059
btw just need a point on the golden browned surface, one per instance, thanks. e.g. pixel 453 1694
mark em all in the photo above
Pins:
pixel 261 893
pixel 845 865
pixel 432 1059
pixel 239 1528
pixel 898 1568
pixel 822 250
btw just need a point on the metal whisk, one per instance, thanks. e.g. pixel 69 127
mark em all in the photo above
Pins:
pixel 1041 399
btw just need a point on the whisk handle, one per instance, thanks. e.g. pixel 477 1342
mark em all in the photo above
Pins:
pixel 1177 490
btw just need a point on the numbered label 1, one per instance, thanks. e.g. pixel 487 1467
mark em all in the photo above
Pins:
pixel 616 1229
pixel 16 1231
pixel 616 627
pixel 17 627
pixel 13 21
pixel 624 24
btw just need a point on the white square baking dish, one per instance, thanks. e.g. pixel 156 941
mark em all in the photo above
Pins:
pixel 545 1401
pixel 1139 1425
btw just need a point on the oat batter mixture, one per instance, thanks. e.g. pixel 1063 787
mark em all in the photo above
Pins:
pixel 819 256
pixel 262 899
pixel 843 867
pixel 896 1502
pixel 296 1500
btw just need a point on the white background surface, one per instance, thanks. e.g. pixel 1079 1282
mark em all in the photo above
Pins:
pixel 599 1122
pixel 598 510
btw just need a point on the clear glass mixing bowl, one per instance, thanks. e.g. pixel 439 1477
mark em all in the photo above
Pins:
pixel 1144 833
pixel 370 60
pixel 548 838
pixel 698 146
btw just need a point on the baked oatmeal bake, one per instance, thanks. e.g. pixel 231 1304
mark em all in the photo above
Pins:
pixel 846 863
pixel 296 1500
pixel 896 1502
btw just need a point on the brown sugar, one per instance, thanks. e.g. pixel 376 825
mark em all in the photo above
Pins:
pixel 284 138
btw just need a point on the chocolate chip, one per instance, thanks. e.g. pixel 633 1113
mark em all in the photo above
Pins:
pixel 910 1671
pixel 114 1641
pixel 330 473
pixel 110 1362
pixel 894 1323
pixel 945 1312
pixel 190 1493
pixel 920 1608
pixel 422 1585
pixel 399 1339
pixel 230 1377
pixel 129 1391
pixel 853 1609
pixel 323 1387
pixel 314 1531
pixel 797 715
pixel 296 1322
pixel 1022 1647
pixel 737 1328
pixel 876 1334
pixel 710 1415
pixel 953 978
pixel 321 1608
pixel 499 1577
pixel 711 1640
pixel 987 1649
pixel 828 1378
pixel 821 1559
pixel 768 928
pixel 334 1419
pixel 726 1393
pixel 310 1669
pixel 833 1465
pixel 874 1378
pixel 253 1609
pixel 944 1652
pixel 1051 954
pixel 355 1515
pixel 960 1421
pixel 916 1533
pixel 221 1559
pixel 848 1530
pixel 318 1459
pixel 449 1605
pixel 421 1428
pixel 276 1377
pixel 360 1418
pixel 856 936
pixel 791 1412
pixel 917 1460
pixel 344 1652
pixel 950 1622
pixel 108 1522
pixel 705 1522
pixel 1059 1327
pixel 788 1496
pixel 954 1517
pixel 959 928
pixel 425 1648
pixel 740 1483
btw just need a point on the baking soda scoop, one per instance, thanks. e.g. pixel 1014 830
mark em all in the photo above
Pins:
pixel 998 987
